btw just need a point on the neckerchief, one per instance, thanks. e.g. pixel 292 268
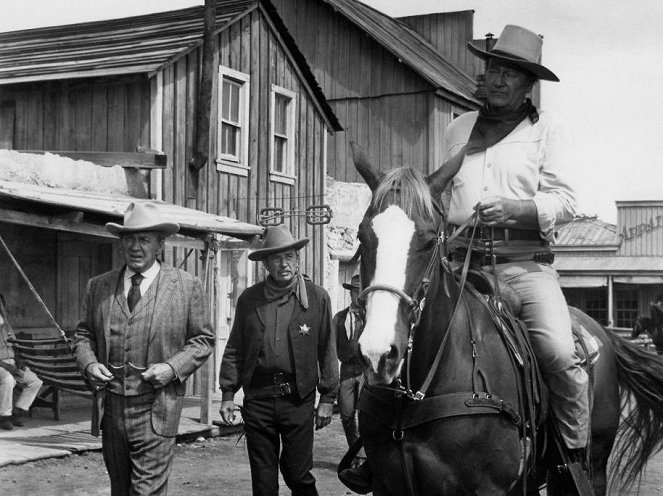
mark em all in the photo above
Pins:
pixel 296 286
pixel 492 127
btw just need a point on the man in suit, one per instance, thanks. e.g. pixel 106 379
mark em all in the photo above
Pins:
pixel 348 324
pixel 145 330
pixel 280 348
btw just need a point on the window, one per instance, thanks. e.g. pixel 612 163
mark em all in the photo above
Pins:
pixel 596 304
pixel 283 135
pixel 626 307
pixel 233 129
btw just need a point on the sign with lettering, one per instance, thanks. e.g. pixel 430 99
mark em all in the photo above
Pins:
pixel 654 224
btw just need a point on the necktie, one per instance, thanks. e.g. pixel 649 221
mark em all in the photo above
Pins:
pixel 134 293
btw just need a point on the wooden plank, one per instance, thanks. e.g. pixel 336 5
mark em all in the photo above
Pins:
pixel 117 102
pixel 133 117
pixel 179 156
pixel 191 176
pixel 51 118
pixel 168 130
pixel 35 130
pixel 255 111
pixel 21 122
pixel 139 160
pixel 99 124
pixel 7 119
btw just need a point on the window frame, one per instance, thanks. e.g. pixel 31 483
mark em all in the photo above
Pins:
pixel 288 175
pixel 626 310
pixel 226 162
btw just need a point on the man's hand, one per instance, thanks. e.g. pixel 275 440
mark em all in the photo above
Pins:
pixel 158 374
pixel 323 415
pixel 499 211
pixel 227 412
pixel 98 375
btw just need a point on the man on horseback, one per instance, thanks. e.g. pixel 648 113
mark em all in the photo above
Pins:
pixel 514 177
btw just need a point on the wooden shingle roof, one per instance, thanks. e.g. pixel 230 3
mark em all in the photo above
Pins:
pixel 409 47
pixel 587 232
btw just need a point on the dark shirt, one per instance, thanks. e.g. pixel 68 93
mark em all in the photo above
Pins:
pixel 275 355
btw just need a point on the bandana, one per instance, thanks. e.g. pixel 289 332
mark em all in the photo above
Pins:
pixel 492 127
pixel 296 286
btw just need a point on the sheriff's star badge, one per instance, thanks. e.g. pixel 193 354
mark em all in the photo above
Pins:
pixel 304 330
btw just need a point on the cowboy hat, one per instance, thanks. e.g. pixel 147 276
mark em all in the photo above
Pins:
pixel 276 239
pixel 143 216
pixel 520 47
pixel 355 283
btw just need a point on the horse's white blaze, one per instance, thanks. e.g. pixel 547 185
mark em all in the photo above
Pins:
pixel 394 231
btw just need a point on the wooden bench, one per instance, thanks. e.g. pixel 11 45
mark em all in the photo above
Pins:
pixel 53 361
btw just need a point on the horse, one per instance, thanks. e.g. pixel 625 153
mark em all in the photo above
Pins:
pixel 651 325
pixel 444 411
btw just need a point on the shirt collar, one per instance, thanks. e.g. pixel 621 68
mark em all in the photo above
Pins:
pixel 148 274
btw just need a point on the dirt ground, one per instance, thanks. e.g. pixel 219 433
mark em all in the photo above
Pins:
pixel 217 466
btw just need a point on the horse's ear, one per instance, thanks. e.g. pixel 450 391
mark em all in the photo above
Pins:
pixel 364 167
pixel 439 179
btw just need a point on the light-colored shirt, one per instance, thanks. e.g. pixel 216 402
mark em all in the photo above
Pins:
pixel 149 276
pixel 531 163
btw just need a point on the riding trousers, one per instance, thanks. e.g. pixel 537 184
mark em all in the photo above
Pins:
pixel 546 315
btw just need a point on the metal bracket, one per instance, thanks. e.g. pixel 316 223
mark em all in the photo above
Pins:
pixel 315 215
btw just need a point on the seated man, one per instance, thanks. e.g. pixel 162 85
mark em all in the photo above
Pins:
pixel 11 374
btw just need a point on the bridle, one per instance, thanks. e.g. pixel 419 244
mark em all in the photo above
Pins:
pixel 417 302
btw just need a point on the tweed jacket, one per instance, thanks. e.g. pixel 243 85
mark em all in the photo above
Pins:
pixel 311 338
pixel 180 334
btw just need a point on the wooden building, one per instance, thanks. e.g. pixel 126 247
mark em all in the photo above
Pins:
pixel 613 272
pixel 126 92
pixel 393 92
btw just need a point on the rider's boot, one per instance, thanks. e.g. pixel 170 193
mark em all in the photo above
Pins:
pixel 359 478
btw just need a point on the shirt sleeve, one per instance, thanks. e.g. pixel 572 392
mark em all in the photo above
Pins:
pixel 556 199
pixel 327 355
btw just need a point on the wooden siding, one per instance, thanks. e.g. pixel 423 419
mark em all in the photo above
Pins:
pixel 346 62
pixel 449 32
pixel 640 224
pixel 80 115
pixel 249 46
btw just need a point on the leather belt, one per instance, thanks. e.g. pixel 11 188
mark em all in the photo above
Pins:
pixel 546 257
pixel 264 379
pixel 499 233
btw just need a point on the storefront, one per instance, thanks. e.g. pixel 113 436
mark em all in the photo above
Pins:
pixel 613 272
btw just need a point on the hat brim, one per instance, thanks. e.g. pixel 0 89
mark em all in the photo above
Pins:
pixel 261 254
pixel 537 70
pixel 167 228
pixel 350 286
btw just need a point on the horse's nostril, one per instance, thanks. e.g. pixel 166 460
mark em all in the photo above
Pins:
pixel 393 352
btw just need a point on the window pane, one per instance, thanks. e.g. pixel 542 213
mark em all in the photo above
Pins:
pixel 234 104
pixel 229 140
pixel 230 104
pixel 626 307
pixel 281 114
pixel 279 154
pixel 596 305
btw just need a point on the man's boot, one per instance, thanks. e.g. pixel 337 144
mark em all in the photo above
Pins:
pixel 6 422
pixel 20 417
pixel 359 479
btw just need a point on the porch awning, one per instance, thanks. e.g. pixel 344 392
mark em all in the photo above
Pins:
pixel 638 279
pixel 572 281
pixel 87 212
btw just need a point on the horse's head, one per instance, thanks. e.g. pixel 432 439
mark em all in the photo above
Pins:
pixel 399 238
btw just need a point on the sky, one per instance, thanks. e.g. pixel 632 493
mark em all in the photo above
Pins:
pixel 605 53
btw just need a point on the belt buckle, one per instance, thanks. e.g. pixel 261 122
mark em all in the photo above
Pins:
pixel 285 389
pixel 279 378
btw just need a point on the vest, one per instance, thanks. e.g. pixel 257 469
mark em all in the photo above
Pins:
pixel 127 356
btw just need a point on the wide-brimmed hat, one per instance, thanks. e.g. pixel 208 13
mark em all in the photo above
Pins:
pixel 276 239
pixel 520 47
pixel 142 216
pixel 355 283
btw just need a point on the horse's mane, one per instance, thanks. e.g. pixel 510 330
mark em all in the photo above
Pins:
pixel 414 193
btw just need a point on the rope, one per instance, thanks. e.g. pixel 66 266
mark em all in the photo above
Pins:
pixel 32 288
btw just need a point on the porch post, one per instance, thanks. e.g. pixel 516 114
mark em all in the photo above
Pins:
pixel 207 369
pixel 611 309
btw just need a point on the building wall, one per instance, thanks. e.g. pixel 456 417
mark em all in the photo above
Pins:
pixel 250 47
pixel 641 226
pixel 380 102
pixel 100 114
